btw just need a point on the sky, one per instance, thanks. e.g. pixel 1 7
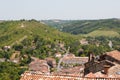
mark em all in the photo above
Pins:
pixel 59 9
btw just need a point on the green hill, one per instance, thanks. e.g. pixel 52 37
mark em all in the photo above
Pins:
pixel 12 32
pixel 31 38
pixel 88 27
pixel 24 39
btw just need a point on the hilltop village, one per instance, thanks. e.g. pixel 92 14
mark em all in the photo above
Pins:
pixel 106 66
pixel 31 50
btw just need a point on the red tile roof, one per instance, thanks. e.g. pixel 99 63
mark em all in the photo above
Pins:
pixel 39 65
pixel 37 76
pixel 75 60
pixel 90 75
pixel 114 54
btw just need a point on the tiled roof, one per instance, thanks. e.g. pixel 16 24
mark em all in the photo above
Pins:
pixel 91 75
pixel 37 76
pixel 114 71
pixel 73 71
pixel 100 75
pixel 33 76
pixel 114 54
pixel 39 65
pixel 78 60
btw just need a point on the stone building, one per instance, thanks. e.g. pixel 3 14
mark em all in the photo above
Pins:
pixel 71 59
pixel 39 65
pixel 106 64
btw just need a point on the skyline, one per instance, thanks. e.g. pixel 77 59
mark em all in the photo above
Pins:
pixel 59 9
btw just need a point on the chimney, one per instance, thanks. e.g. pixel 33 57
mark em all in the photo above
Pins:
pixel 91 57
pixel 106 67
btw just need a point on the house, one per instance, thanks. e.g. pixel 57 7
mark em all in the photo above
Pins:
pixel 114 71
pixel 30 75
pixel 39 65
pixel 70 59
pixel 84 42
pixel 73 71
pixel 97 74
pixel 75 60
pixel 113 56
pixel 58 55
pixel 97 66
pixel 70 55
pixel 7 47
pixel 106 64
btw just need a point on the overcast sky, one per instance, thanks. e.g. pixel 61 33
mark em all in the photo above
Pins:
pixel 59 9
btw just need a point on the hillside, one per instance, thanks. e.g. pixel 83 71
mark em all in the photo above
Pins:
pixel 23 40
pixel 87 26
pixel 12 32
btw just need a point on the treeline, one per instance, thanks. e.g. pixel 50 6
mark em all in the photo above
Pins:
pixel 85 26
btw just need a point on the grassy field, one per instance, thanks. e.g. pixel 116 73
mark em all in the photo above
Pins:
pixel 106 33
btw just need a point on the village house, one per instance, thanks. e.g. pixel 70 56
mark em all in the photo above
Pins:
pixel 6 47
pixel 30 75
pixel 107 64
pixel 39 65
pixel 113 56
pixel 58 55
pixel 71 60
pixel 83 42
pixel 94 68
pixel 72 71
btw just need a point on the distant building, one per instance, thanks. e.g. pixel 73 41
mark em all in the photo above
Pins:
pixel 71 59
pixel 39 65
pixel 72 71
pixel 58 55
pixel 84 42
pixel 7 47
pixel 110 44
pixel 75 60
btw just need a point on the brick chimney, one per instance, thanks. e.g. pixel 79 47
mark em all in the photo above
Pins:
pixel 91 57
pixel 106 67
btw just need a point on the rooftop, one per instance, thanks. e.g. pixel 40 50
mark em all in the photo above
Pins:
pixel 38 76
pixel 75 60
pixel 39 65
pixel 114 54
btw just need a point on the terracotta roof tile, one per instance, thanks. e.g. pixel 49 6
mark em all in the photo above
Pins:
pixel 35 76
pixel 115 54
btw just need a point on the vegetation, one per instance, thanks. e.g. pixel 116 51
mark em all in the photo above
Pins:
pixel 87 26
pixel 10 71
pixel 32 38
pixel 106 33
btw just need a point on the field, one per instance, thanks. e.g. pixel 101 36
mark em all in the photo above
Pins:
pixel 97 33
